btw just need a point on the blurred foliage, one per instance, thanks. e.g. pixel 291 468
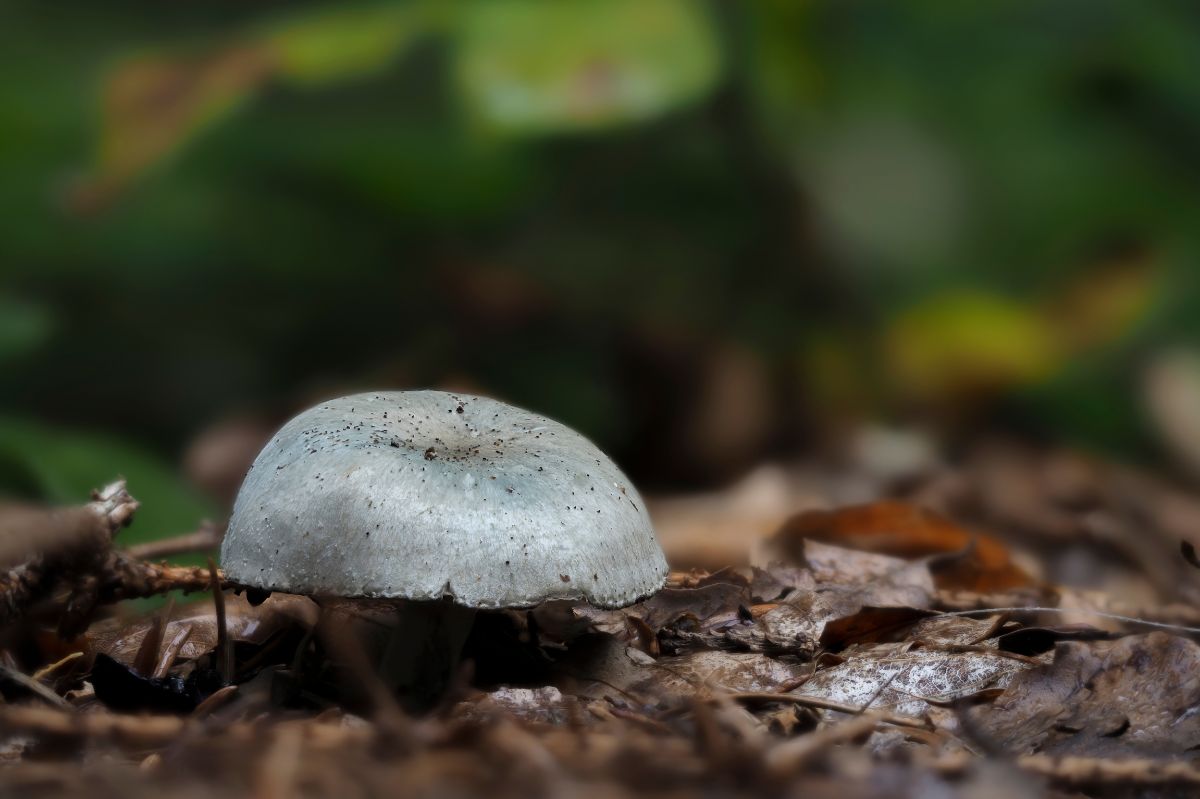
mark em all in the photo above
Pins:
pixel 342 43
pixel 890 209
pixel 528 67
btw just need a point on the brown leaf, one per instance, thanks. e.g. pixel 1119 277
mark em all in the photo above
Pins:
pixel 907 682
pixel 706 673
pixel 882 579
pixel 721 616
pixel 980 562
pixel 121 639
pixel 668 606
pixel 951 631
pixel 1136 695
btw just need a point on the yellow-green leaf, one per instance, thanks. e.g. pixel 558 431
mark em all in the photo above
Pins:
pixel 963 342
pixel 527 66
pixel 344 42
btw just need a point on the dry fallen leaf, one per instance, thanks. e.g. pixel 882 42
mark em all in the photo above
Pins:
pixel 907 683
pixel 973 562
pixel 120 639
pixel 1136 696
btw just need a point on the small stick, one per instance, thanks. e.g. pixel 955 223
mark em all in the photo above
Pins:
pixel 828 704
pixel 171 651
pixel 146 659
pixel 142 730
pixel 794 754
pixel 45 672
pixel 218 698
pixel 208 537
pixel 1158 625
pixel 348 652
pixel 33 686
pixel 134 579
pixel 1077 770
pixel 224 651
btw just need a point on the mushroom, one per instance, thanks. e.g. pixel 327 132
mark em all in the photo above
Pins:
pixel 438 505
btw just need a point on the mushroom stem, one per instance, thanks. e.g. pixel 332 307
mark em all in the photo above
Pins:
pixel 423 650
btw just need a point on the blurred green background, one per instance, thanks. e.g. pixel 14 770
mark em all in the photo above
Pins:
pixel 705 233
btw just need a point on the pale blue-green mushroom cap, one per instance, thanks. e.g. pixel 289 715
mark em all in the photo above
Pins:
pixel 432 495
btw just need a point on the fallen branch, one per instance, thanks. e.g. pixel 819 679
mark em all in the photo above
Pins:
pixel 59 544
pixel 133 579
pixel 71 550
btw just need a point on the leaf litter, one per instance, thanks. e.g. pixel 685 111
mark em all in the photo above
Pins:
pixel 831 660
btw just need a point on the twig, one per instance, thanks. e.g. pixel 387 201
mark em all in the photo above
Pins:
pixel 793 755
pixel 32 686
pixel 347 651
pixel 62 664
pixel 828 704
pixel 146 659
pixel 60 544
pixel 1095 770
pixel 133 579
pixel 1084 771
pixel 207 538
pixel 90 568
pixel 135 730
pixel 224 651
pixel 145 731
pixel 171 651
pixel 1158 625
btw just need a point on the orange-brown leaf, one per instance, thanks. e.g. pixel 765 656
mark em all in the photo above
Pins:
pixel 977 562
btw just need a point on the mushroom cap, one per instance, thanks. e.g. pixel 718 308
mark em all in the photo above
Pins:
pixel 430 495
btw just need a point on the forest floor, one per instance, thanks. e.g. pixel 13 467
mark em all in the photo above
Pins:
pixel 1022 623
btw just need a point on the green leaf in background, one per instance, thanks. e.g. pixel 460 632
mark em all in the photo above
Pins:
pixel 344 42
pixel 530 67
pixel 62 467
pixel 23 327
